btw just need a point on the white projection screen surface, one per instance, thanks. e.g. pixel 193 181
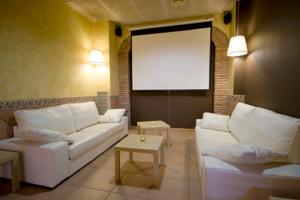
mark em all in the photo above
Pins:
pixel 178 60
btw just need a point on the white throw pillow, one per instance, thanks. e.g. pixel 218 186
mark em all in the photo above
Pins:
pixel 57 118
pixel 85 114
pixel 239 119
pixel 245 154
pixel 112 116
pixel 214 121
pixel 267 129
pixel 43 135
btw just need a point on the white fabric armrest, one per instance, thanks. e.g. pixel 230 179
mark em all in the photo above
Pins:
pixel 198 122
pixel 124 120
pixel 42 164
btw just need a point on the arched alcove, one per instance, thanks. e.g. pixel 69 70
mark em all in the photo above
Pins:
pixel 221 71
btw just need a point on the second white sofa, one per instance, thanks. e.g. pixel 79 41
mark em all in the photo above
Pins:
pixel 49 163
pixel 248 179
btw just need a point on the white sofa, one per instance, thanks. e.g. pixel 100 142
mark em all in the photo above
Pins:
pixel 221 179
pixel 49 163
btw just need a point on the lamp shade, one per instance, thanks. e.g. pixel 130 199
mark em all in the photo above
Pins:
pixel 96 57
pixel 237 46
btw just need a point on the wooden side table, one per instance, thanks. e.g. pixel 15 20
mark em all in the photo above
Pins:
pixel 132 143
pixel 13 157
pixel 154 125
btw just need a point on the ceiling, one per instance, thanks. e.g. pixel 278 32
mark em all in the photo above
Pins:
pixel 141 11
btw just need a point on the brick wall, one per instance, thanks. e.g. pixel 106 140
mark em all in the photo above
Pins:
pixel 221 73
pixel 124 77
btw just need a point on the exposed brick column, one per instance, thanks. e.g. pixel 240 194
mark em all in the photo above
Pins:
pixel 124 77
pixel 221 71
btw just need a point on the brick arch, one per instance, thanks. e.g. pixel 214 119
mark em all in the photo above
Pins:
pixel 124 76
pixel 220 73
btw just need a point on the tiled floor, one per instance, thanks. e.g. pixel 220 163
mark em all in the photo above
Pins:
pixel 179 179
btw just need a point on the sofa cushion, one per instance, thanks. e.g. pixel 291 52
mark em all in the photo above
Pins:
pixel 206 139
pixel 85 114
pixel 286 170
pixel 112 116
pixel 245 154
pixel 43 135
pixel 267 129
pixel 92 136
pixel 239 120
pixel 215 121
pixel 57 118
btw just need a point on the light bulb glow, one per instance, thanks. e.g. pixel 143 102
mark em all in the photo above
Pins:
pixel 96 57
pixel 237 46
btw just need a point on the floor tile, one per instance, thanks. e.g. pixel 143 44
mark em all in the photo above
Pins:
pixel 107 161
pixel 170 189
pixel 99 179
pixel 194 191
pixel 134 185
pixel 76 178
pixel 115 196
pixel 194 170
pixel 88 194
pixel 59 193
pixel 12 196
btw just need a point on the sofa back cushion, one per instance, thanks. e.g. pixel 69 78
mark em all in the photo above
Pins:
pixel 85 114
pixel 215 122
pixel 57 118
pixel 267 129
pixel 239 120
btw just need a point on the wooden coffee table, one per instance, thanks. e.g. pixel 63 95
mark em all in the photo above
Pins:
pixel 159 126
pixel 132 143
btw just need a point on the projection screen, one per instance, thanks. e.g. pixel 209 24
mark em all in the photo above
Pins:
pixel 177 60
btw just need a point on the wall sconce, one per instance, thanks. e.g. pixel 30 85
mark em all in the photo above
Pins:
pixel 237 44
pixel 96 57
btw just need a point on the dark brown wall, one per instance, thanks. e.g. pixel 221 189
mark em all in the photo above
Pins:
pixel 269 74
pixel 179 109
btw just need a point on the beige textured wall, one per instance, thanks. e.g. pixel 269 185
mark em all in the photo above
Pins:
pixel 114 62
pixel 43 51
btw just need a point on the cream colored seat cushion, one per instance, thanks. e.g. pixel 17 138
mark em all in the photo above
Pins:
pixel 207 138
pixel 286 170
pixel 91 136
pixel 57 118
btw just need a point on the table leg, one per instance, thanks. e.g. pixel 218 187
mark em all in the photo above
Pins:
pixel 117 165
pixel 130 156
pixel 162 156
pixel 140 130
pixel 168 137
pixel 15 174
pixel 155 169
